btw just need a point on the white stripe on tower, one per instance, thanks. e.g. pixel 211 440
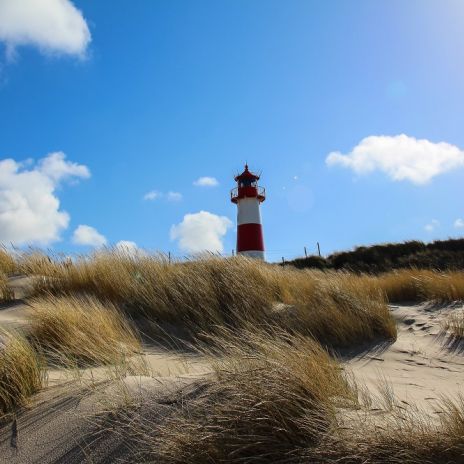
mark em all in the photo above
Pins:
pixel 248 211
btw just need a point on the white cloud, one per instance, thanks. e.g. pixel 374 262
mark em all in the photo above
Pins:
pixel 54 26
pixel 87 235
pixel 206 182
pixel 174 196
pixel 129 248
pixel 152 195
pixel 126 245
pixel 29 208
pixel 169 196
pixel 432 225
pixel 57 168
pixel 400 157
pixel 201 231
pixel 459 223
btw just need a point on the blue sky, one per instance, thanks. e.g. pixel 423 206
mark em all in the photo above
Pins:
pixel 150 96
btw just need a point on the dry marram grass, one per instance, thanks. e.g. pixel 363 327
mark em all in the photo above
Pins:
pixel 7 263
pixel 5 292
pixel 272 395
pixel 275 394
pixel 401 436
pixel 455 325
pixel 82 330
pixel 22 372
pixel 212 292
pixel 421 285
pixel 280 398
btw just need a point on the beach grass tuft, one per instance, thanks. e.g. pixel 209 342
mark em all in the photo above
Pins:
pixel 81 330
pixel 22 371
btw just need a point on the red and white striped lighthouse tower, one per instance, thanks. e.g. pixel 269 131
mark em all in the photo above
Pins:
pixel 248 196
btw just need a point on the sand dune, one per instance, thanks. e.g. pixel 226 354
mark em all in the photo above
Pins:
pixel 64 422
pixel 70 424
pixel 422 365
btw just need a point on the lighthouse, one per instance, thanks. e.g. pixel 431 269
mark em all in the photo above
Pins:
pixel 248 195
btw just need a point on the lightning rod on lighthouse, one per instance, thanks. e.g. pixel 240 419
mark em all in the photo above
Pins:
pixel 248 196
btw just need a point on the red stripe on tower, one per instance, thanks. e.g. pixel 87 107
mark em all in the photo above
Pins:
pixel 248 196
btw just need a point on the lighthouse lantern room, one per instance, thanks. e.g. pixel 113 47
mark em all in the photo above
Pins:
pixel 248 195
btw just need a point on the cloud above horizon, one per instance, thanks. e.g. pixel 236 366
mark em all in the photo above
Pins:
pixel 400 157
pixel 459 223
pixel 433 225
pixel 88 236
pixel 152 195
pixel 126 245
pixel 202 231
pixel 29 207
pixel 170 196
pixel 53 26
pixel 130 248
pixel 174 196
pixel 206 181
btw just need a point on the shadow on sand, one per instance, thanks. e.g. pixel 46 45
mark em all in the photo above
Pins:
pixel 452 343
pixel 370 350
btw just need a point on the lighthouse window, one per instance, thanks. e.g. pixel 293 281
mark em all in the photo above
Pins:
pixel 247 183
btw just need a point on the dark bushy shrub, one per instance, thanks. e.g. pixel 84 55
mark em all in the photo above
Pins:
pixel 441 255
pixel 315 262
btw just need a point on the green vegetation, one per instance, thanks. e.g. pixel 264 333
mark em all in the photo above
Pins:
pixel 439 255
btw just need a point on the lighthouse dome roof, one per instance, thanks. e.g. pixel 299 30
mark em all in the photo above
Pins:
pixel 246 174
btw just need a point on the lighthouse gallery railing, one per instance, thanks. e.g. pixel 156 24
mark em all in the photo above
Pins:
pixel 261 192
